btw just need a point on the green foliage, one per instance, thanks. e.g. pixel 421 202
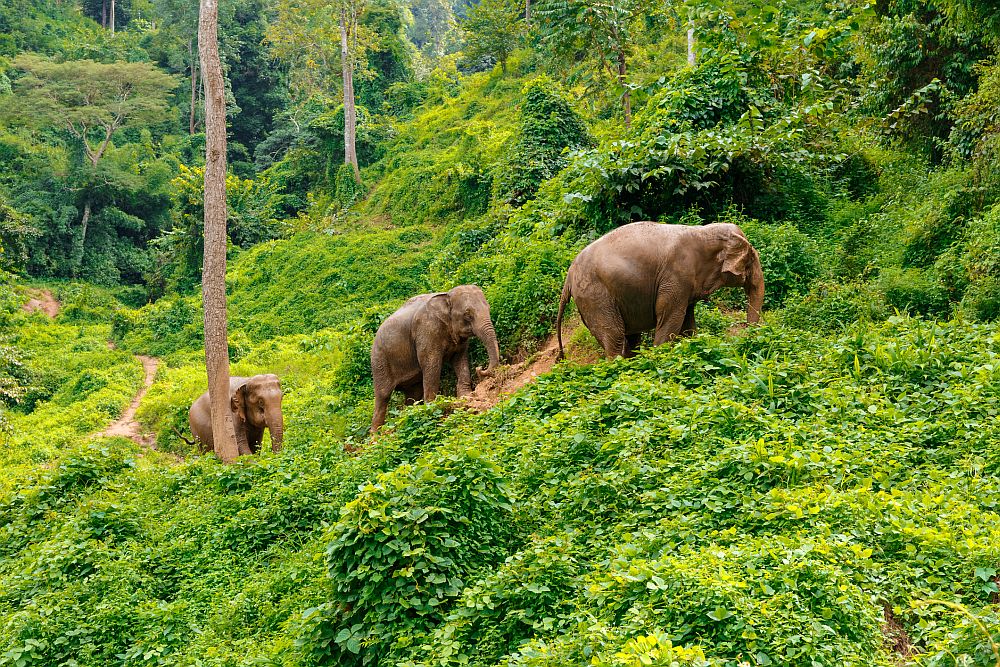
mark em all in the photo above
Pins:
pixel 402 550
pixel 492 29
pixel 548 126
pixel 347 190
pixel 834 306
pixel 791 260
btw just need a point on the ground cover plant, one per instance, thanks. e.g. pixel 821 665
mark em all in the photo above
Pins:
pixel 819 490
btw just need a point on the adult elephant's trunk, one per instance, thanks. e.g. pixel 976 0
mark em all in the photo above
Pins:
pixel 276 425
pixel 488 336
pixel 754 287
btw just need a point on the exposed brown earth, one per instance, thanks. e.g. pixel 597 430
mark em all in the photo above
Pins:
pixel 127 426
pixel 42 301
pixel 508 379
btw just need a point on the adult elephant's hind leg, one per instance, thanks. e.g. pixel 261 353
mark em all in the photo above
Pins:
pixel 381 407
pixel 600 313
pixel 671 315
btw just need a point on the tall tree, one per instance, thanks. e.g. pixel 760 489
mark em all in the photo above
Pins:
pixel 348 30
pixel 213 277
pixel 493 28
pixel 91 101
pixel 177 39
pixel 603 31
pixel 302 35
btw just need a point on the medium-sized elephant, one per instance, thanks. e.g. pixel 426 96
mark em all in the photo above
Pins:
pixel 413 343
pixel 649 276
pixel 256 405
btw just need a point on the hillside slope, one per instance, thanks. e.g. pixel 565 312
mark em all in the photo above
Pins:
pixel 778 496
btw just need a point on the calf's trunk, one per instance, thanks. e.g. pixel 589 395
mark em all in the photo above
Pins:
pixel 276 425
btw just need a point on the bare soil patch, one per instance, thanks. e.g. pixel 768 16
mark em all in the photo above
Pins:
pixel 508 379
pixel 42 301
pixel 126 426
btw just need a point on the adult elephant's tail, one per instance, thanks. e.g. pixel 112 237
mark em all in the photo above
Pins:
pixel 563 300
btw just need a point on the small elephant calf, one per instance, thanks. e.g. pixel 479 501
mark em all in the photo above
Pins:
pixel 413 343
pixel 256 405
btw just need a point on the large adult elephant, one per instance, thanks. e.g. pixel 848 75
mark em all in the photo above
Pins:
pixel 648 276
pixel 413 343
pixel 256 405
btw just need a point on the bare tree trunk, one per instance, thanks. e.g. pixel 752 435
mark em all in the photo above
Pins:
pixel 104 14
pixel 527 10
pixel 213 277
pixel 350 111
pixel 194 88
pixel 627 94
pixel 81 245
pixel 691 56
pixel 111 18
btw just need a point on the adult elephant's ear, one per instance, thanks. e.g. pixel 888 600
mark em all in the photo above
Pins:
pixel 736 256
pixel 238 404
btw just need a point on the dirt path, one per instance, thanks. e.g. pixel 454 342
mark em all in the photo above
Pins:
pixel 126 426
pixel 41 301
pixel 509 379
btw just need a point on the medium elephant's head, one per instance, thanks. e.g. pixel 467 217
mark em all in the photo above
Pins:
pixel 741 268
pixel 257 404
pixel 469 315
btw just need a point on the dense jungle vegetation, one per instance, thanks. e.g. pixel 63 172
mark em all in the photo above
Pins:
pixel 821 490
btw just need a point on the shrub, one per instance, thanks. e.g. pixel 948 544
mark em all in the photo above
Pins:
pixel 834 306
pixel 982 266
pixel 915 291
pixel 399 555
pixel 789 258
pixel 548 126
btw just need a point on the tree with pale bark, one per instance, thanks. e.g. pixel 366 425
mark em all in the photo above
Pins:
pixel 91 102
pixel 213 276
pixel 321 40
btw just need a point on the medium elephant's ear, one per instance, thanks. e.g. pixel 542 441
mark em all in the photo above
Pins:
pixel 238 404
pixel 736 256
pixel 439 306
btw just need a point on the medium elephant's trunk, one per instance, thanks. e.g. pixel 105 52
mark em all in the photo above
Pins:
pixel 755 291
pixel 276 425
pixel 488 336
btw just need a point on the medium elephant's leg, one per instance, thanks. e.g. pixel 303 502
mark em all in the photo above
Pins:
pixel 413 392
pixel 381 407
pixel 463 374
pixel 631 344
pixel 430 367
pixel 671 313
pixel 689 327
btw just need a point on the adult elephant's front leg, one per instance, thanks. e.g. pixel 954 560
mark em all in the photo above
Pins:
pixel 431 362
pixel 463 373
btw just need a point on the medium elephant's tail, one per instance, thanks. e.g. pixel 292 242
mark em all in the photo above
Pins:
pixel 563 300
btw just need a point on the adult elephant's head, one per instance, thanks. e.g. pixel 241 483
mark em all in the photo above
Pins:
pixel 469 315
pixel 740 265
pixel 256 405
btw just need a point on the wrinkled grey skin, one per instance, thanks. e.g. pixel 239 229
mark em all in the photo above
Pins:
pixel 413 343
pixel 648 276
pixel 256 405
